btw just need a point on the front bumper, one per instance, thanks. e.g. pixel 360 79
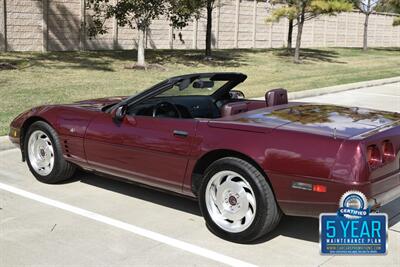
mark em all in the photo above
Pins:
pixel 15 136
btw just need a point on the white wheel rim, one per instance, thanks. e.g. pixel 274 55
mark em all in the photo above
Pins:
pixel 41 153
pixel 230 201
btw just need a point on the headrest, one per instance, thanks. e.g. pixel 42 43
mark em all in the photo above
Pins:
pixel 276 97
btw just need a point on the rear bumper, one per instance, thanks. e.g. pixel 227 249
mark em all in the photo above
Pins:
pixel 384 198
pixel 297 202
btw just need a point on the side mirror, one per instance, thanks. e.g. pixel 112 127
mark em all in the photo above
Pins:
pixel 120 113
pixel 236 94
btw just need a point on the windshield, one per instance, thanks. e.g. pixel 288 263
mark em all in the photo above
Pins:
pixel 196 84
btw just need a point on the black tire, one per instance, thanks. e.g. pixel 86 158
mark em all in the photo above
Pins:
pixel 267 214
pixel 62 170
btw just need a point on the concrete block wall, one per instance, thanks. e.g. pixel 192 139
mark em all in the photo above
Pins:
pixel 101 42
pixel 245 31
pixel 226 24
pixel 63 25
pixel 3 26
pixel 183 38
pixel 59 25
pixel 23 24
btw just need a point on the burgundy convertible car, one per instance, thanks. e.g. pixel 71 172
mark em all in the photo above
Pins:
pixel 246 161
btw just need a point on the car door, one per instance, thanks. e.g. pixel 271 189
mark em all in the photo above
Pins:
pixel 149 150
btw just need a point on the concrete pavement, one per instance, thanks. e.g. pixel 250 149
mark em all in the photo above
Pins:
pixel 5 143
pixel 342 87
pixel 34 233
pixel 383 97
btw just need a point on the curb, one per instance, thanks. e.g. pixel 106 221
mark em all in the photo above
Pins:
pixel 339 88
pixel 5 143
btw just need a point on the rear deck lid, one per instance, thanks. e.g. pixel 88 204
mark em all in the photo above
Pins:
pixel 328 120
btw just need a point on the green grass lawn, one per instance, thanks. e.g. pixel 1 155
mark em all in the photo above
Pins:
pixel 62 77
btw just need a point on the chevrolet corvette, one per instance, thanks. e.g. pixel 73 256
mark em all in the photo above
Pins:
pixel 246 161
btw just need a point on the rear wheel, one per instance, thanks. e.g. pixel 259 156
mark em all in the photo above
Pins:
pixel 44 155
pixel 237 202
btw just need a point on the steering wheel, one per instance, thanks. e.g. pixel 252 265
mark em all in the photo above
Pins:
pixel 168 110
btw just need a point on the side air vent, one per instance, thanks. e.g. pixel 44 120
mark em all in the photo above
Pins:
pixel 66 148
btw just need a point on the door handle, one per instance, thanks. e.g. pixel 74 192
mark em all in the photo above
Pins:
pixel 180 133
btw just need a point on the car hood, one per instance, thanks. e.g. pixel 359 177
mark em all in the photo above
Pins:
pixel 330 120
pixel 98 103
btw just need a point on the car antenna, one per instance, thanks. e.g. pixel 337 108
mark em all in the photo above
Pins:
pixel 334 133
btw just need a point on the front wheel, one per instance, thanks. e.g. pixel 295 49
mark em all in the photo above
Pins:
pixel 44 154
pixel 237 202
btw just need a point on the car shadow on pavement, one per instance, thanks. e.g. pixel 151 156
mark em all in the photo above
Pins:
pixel 308 228
pixel 294 227
pixel 134 190
pixel 302 228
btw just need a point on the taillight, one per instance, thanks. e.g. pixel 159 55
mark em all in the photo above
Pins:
pixel 388 151
pixel 374 156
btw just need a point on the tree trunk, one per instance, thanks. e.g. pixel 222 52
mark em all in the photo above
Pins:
pixel 209 30
pixel 300 24
pixel 365 38
pixel 140 51
pixel 290 35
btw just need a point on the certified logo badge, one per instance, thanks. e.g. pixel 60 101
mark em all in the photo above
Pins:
pixel 352 205
pixel 353 229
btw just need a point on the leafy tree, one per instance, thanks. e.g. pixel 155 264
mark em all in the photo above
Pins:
pixel 303 10
pixel 390 6
pixel 290 34
pixel 277 15
pixel 366 7
pixel 195 8
pixel 137 14
pixel 210 5
pixel 396 9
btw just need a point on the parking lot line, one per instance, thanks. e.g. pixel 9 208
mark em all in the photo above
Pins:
pixel 212 255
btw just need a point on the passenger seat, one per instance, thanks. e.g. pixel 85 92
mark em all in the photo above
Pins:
pixel 233 108
pixel 276 97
